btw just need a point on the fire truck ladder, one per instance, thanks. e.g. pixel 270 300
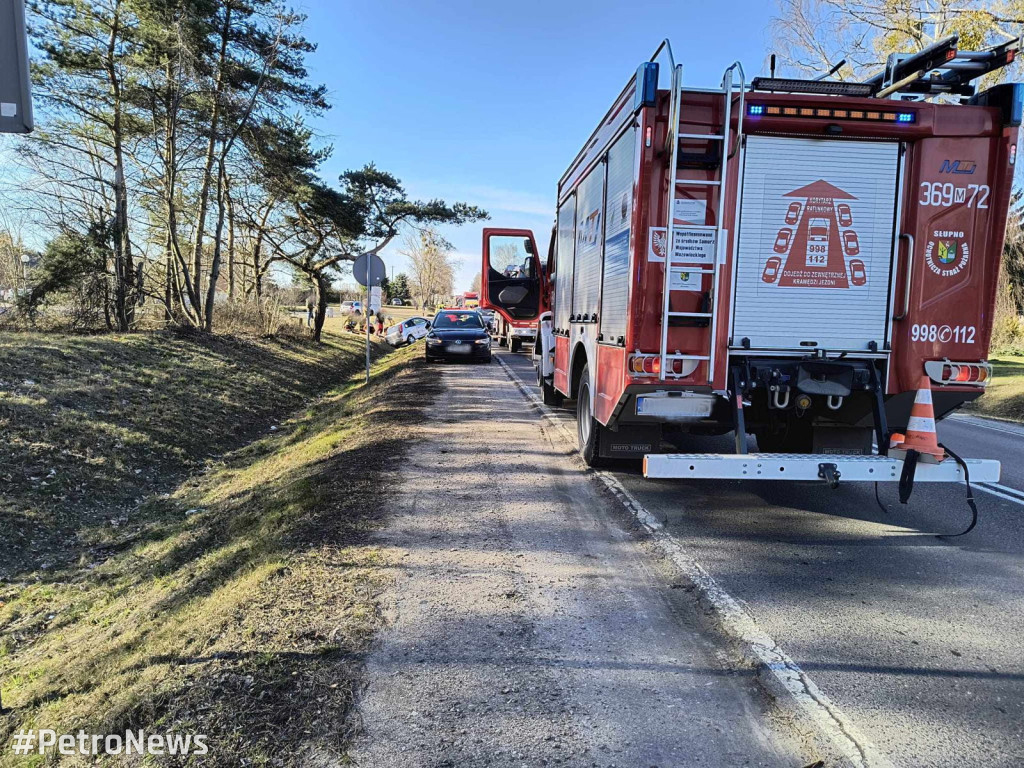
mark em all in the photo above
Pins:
pixel 733 82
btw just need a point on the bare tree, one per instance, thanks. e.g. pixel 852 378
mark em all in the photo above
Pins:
pixel 432 273
pixel 815 35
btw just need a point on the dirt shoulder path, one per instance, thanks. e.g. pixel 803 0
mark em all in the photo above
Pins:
pixel 528 625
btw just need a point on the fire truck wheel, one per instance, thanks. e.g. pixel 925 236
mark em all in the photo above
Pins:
pixel 587 427
pixel 514 345
pixel 502 341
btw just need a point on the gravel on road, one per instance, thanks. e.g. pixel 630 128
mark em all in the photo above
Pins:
pixel 528 625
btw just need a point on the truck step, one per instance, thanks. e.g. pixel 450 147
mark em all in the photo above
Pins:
pixel 808 466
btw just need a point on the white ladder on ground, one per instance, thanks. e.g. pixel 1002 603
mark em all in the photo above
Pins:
pixel 733 83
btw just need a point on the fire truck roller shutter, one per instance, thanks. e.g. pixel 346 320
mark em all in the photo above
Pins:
pixel 564 255
pixel 618 214
pixel 589 243
pixel 816 243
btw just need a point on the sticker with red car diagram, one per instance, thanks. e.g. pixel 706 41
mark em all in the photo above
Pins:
pixel 817 246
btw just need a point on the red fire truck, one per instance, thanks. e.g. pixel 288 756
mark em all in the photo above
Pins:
pixel 785 259
pixel 510 264
pixel 514 334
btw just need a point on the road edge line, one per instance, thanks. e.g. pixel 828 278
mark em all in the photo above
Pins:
pixel 777 673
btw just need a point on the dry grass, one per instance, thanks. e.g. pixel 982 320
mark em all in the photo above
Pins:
pixel 1004 397
pixel 237 603
pixel 93 425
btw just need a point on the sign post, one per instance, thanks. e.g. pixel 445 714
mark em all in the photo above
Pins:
pixel 369 271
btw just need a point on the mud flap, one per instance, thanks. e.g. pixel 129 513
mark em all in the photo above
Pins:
pixel 630 441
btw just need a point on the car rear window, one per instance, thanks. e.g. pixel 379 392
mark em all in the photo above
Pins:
pixel 457 320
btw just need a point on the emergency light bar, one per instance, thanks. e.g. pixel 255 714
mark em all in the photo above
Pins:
pixel 829 113
pixel 822 87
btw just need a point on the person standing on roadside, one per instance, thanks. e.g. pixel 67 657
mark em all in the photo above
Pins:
pixel 380 322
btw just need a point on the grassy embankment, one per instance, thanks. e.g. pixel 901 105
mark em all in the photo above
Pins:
pixel 1004 397
pixel 184 550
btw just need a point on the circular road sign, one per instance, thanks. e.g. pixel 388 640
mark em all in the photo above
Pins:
pixel 369 269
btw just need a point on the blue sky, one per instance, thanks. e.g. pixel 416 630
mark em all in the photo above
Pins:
pixel 487 102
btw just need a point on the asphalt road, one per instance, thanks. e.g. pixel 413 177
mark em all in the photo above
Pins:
pixel 919 640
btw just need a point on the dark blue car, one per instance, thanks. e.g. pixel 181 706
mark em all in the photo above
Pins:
pixel 458 334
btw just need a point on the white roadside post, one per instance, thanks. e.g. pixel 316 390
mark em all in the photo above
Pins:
pixel 369 271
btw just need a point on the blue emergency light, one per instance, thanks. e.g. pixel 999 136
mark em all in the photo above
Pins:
pixel 905 117
pixel 755 109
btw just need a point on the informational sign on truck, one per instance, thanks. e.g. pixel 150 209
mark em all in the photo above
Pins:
pixel 692 246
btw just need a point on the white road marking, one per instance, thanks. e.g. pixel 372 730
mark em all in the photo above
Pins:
pixel 996 489
pixel 791 688
pixel 1002 491
pixel 975 421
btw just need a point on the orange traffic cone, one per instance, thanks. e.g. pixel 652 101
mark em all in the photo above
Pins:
pixel 920 435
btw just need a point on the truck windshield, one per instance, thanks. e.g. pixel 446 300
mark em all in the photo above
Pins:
pixel 458 320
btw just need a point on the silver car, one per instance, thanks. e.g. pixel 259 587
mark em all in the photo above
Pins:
pixel 407 331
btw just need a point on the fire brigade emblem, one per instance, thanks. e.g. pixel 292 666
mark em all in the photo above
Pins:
pixel 947 254
pixel 816 245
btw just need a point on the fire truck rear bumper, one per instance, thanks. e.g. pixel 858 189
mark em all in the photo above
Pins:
pixel 796 466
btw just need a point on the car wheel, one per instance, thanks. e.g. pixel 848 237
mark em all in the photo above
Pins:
pixel 588 430
pixel 409 339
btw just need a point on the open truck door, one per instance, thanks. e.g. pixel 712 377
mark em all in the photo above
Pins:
pixel 512 278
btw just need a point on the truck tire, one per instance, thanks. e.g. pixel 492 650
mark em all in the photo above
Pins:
pixel 502 341
pixel 514 344
pixel 549 394
pixel 588 429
